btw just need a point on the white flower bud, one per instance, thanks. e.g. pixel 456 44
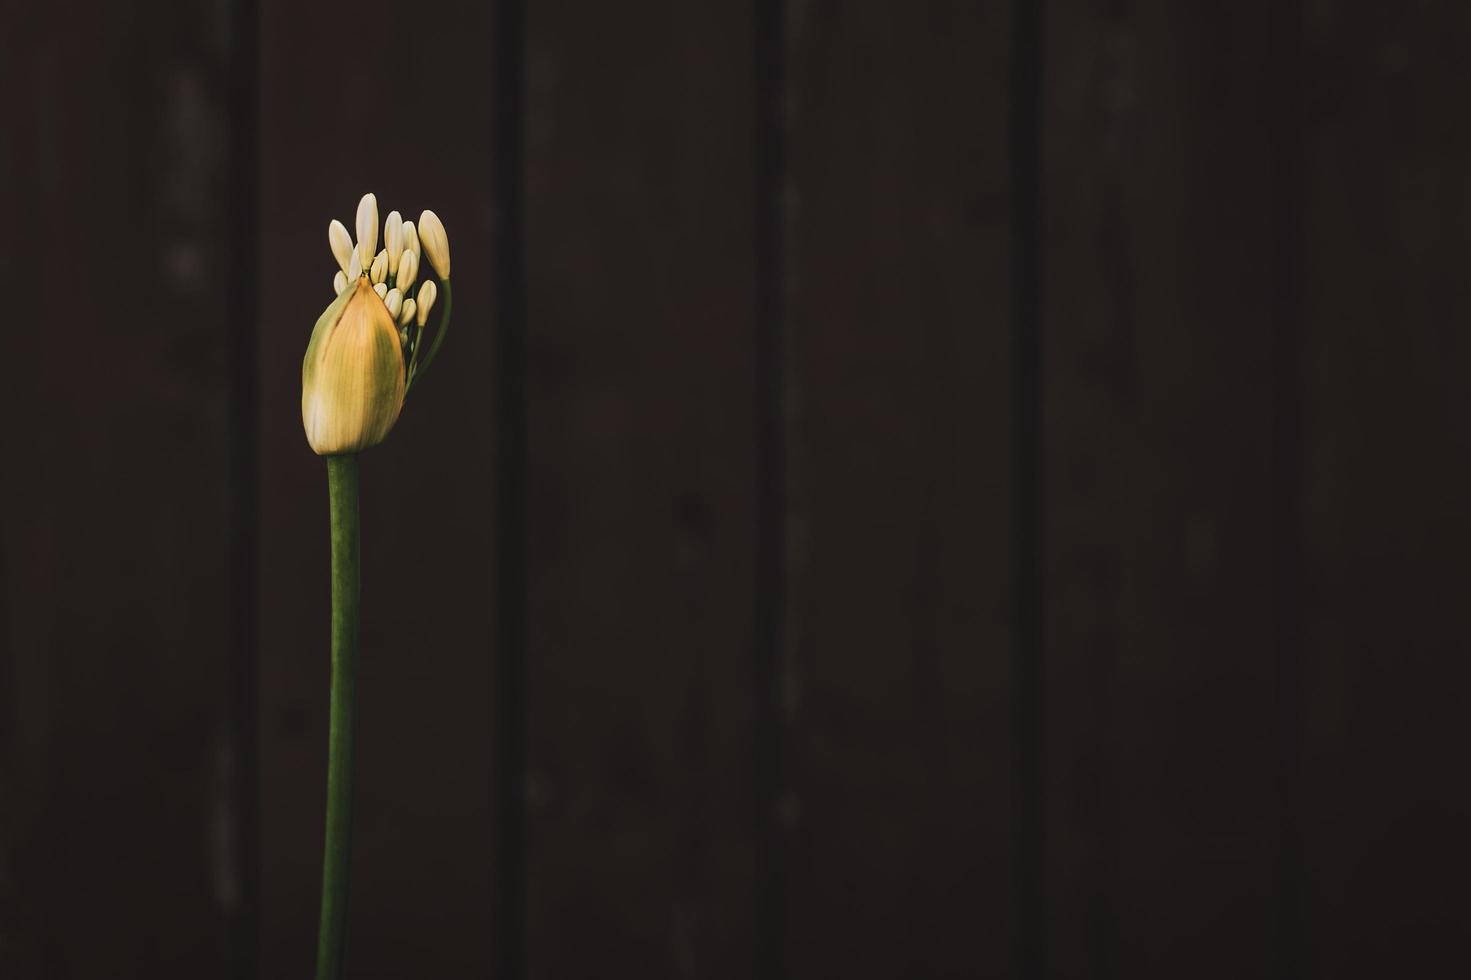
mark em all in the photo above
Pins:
pixel 379 270
pixel 395 302
pixel 354 268
pixel 339 282
pixel 411 238
pixel 435 242
pixel 407 313
pixel 408 271
pixel 341 243
pixel 427 294
pixel 393 240
pixel 367 225
pixel 381 289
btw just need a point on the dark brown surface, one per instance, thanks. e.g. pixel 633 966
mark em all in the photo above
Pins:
pixel 772 701
pixel 1386 677
pixel 896 684
pixel 640 376
pixel 1161 653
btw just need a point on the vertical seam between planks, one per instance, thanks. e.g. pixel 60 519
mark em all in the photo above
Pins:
pixel 770 443
pixel 242 707
pixel 510 928
pixel 1027 482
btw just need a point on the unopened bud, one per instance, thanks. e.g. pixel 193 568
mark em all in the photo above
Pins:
pixel 411 238
pixel 408 271
pixel 427 294
pixel 352 378
pixel 435 242
pixel 381 288
pixel 339 283
pixel 407 313
pixel 379 271
pixel 341 243
pixel 394 301
pixel 393 240
pixel 367 225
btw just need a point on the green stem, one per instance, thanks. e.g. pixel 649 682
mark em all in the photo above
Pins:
pixel 416 371
pixel 342 492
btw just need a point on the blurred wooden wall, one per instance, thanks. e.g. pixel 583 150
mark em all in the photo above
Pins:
pixel 928 489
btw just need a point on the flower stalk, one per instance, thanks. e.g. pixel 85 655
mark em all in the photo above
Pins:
pixel 342 495
pixel 362 357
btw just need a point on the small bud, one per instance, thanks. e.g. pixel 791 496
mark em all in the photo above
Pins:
pixel 367 225
pixel 427 294
pixel 393 240
pixel 339 283
pixel 354 267
pixel 379 271
pixel 411 238
pixel 435 242
pixel 352 378
pixel 408 271
pixel 394 301
pixel 342 245
pixel 407 313
pixel 381 288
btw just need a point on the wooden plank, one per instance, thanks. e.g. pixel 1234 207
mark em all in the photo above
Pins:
pixel 1386 481
pixel 897 676
pixel 1161 645
pixel 113 623
pixel 401 104
pixel 640 325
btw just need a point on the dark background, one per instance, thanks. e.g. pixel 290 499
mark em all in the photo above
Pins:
pixel 913 489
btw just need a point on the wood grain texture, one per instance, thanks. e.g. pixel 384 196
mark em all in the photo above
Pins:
pixel 399 102
pixel 1387 476
pixel 1162 818
pixel 896 681
pixel 641 501
pixel 115 634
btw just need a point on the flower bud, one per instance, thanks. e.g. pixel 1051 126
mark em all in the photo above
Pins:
pixel 435 243
pixel 367 226
pixel 341 243
pixel 407 313
pixel 411 238
pixel 427 294
pixel 352 378
pixel 379 271
pixel 381 288
pixel 354 265
pixel 339 283
pixel 393 240
pixel 394 301
pixel 408 271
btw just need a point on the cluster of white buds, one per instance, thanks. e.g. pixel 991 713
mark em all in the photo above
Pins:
pixel 365 351
pixel 396 265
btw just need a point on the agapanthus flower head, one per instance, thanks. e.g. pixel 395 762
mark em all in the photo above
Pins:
pixel 364 351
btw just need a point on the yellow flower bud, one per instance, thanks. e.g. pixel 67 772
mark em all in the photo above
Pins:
pixel 393 240
pixel 394 301
pixel 379 270
pixel 435 242
pixel 354 265
pixel 427 294
pixel 411 238
pixel 352 378
pixel 407 313
pixel 339 283
pixel 367 226
pixel 381 288
pixel 341 243
pixel 408 271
